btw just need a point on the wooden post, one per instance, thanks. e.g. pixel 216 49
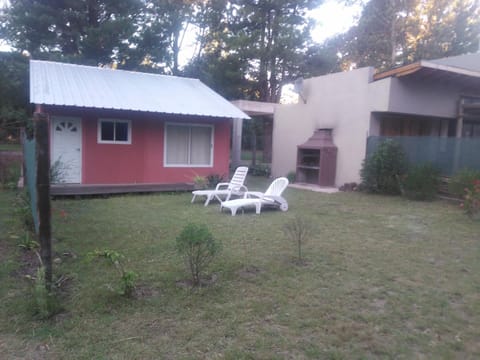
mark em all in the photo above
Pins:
pixel 43 191
pixel 237 142
pixel 458 138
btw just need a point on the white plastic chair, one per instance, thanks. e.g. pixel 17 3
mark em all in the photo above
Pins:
pixel 226 190
pixel 271 197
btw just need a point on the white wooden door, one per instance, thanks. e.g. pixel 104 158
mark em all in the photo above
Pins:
pixel 66 154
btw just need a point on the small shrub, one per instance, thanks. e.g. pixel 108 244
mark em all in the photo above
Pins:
pixel 58 171
pixel 471 203
pixel 462 180
pixel 127 278
pixel 299 230
pixel 41 295
pixel 10 171
pixel 198 248
pixel 27 243
pixel 24 211
pixel 420 182
pixel 291 176
pixel 200 182
pixel 352 186
pixel 45 303
pixel 214 179
pixel 381 171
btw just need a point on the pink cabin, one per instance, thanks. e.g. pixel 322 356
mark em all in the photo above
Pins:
pixel 118 131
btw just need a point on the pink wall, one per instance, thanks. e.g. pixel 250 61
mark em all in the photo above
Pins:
pixel 142 160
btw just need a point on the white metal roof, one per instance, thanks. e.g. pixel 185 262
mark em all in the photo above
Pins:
pixel 53 83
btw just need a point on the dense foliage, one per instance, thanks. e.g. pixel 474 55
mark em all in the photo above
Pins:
pixel 13 94
pixel 471 202
pixel 381 171
pixel 198 248
pixel 392 32
pixel 462 180
pixel 420 182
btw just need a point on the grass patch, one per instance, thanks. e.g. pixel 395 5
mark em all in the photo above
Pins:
pixel 384 277
pixel 10 147
pixel 248 154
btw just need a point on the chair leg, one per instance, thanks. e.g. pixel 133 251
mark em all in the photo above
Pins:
pixel 258 207
pixel 193 198
pixel 209 197
pixel 234 211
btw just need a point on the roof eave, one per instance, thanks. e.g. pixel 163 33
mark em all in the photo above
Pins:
pixel 414 67
pixel 41 107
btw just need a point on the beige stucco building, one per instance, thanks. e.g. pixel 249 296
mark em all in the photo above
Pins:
pixel 428 98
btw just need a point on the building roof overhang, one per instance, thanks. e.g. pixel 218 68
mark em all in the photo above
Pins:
pixel 431 70
pixel 255 108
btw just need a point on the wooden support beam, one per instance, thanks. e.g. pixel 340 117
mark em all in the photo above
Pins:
pixel 237 142
pixel 43 192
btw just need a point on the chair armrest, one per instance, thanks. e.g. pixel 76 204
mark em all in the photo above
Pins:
pixel 240 189
pixel 253 194
pixel 221 184
pixel 276 198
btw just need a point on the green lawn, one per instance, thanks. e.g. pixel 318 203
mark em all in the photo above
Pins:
pixel 10 147
pixel 247 155
pixel 385 278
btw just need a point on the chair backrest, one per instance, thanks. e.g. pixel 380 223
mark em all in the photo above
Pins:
pixel 277 187
pixel 238 177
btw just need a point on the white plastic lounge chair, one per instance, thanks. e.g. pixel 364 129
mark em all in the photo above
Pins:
pixel 226 190
pixel 271 197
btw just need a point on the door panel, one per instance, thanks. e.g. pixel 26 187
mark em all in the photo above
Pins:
pixel 66 159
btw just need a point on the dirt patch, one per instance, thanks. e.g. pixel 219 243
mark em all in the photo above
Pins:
pixel 143 291
pixel 206 281
pixel 249 272
pixel 29 263
pixel 301 262
pixel 12 347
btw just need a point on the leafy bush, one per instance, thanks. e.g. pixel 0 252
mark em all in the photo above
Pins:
pixel 214 179
pixel 24 211
pixel 471 203
pixel 462 180
pixel 291 176
pixel 198 248
pixel 127 278
pixel 381 171
pixel 10 171
pixel 421 182
pixel 260 170
pixel 201 182
pixel 44 302
pixel 58 171
pixel 27 243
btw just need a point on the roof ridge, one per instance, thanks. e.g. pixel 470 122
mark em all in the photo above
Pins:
pixel 100 68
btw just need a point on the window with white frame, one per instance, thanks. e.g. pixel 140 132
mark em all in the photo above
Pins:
pixel 188 145
pixel 114 131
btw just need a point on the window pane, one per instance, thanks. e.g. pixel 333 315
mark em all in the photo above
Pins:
pixel 106 128
pixel 177 145
pixel 201 142
pixel 121 131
